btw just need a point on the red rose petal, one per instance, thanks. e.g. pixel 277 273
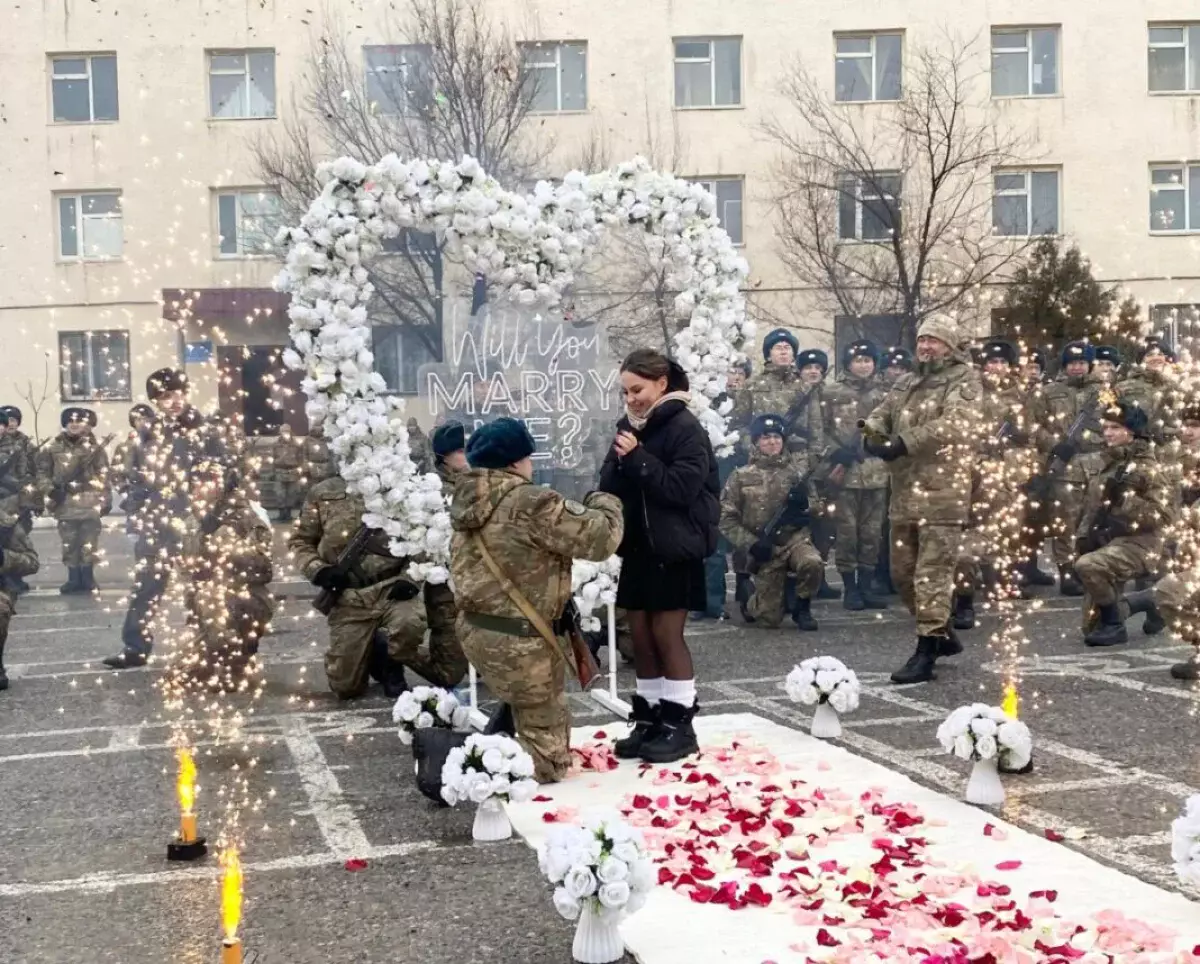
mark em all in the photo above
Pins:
pixel 641 802
pixel 355 864
pixel 665 876
pixel 599 735
pixel 1050 895
pixel 702 893
pixel 1053 835
pixel 1008 865
pixel 542 798
pixel 549 817
pixel 825 939
pixel 989 829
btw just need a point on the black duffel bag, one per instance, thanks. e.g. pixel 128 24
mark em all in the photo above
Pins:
pixel 431 745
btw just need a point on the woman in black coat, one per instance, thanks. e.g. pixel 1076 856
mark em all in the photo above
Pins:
pixel 663 469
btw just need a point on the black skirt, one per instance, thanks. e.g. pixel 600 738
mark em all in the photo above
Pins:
pixel 649 584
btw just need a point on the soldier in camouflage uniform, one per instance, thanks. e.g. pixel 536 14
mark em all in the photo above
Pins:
pixel 778 388
pixel 17 560
pixel 896 362
pixel 927 431
pixel 287 472
pixel 120 472
pixel 14 467
pixel 448 451
pixel 532 534
pixel 1075 391
pixel 30 502
pixel 418 443
pixel 72 473
pixel 1107 363
pixel 813 365
pixel 1150 386
pixel 1126 511
pixel 376 595
pixel 318 460
pixel 857 482
pixel 752 498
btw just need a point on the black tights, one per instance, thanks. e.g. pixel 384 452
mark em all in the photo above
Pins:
pixel 659 649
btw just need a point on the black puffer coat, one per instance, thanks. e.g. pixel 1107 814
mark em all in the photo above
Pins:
pixel 669 486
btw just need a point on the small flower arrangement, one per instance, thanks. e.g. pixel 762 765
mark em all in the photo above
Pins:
pixel 1185 842
pixel 981 732
pixel 594 584
pixel 601 867
pixel 488 768
pixel 425 706
pixel 824 679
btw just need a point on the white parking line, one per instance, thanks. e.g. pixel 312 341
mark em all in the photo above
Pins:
pixel 340 828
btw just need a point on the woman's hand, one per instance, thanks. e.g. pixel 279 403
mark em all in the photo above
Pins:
pixel 624 443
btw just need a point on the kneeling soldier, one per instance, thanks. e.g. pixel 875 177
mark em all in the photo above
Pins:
pixel 511 561
pixel 17 559
pixel 764 509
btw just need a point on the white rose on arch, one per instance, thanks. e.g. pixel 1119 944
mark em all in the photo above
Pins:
pixel 532 245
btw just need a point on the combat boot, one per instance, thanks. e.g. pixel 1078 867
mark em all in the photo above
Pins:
pixel 87 579
pixel 1143 602
pixel 394 681
pixel 3 673
pixel 851 598
pixel 20 585
pixel 126 659
pixel 676 737
pixel 802 616
pixel 827 591
pixel 1189 669
pixel 743 590
pixel 1111 631
pixel 645 727
pixel 1068 582
pixel 950 644
pixel 1032 575
pixel 964 611
pixel 883 580
pixel 74 583
pixel 502 721
pixel 919 668
pixel 867 587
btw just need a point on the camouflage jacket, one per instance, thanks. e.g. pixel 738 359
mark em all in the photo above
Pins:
pixel 19 474
pixel 936 412
pixel 533 533
pixel 318 460
pixel 849 399
pixel 777 390
pixel 88 495
pixel 420 448
pixel 1058 407
pixel 1153 392
pixel 329 520
pixel 120 471
pixel 1142 503
pixel 287 459
pixel 234 560
pixel 1181 469
pixel 20 559
pixel 752 496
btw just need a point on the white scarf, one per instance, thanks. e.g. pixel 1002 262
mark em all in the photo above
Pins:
pixel 639 423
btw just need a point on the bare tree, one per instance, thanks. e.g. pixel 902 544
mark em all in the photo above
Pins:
pixel 35 397
pixel 886 209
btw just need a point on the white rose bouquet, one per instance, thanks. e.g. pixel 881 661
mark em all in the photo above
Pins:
pixel 594 584
pixel 424 706
pixel 830 686
pixel 488 768
pixel 982 732
pixel 601 867
pixel 1185 842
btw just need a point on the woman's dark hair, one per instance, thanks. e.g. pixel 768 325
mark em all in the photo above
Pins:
pixel 652 365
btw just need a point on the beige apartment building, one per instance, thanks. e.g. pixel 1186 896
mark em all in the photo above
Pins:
pixel 136 232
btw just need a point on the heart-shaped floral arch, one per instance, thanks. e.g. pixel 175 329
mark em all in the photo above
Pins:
pixel 531 246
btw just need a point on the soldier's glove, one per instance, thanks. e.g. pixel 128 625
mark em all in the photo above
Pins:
pixel 1117 527
pixel 328 577
pixel 403 591
pixel 210 523
pixel 888 449
pixel 58 493
pixel 845 456
pixel 761 551
pixel 1065 451
pixel 797 497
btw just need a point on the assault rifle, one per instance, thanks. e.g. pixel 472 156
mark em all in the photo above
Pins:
pixel 83 462
pixel 1039 485
pixel 790 511
pixel 347 564
pixel 1101 532
pixel 795 410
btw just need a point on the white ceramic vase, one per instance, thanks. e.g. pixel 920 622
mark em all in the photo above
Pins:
pixel 491 822
pixel 597 940
pixel 825 722
pixel 984 787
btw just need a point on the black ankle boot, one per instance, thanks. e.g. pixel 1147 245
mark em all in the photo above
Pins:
pixel 869 590
pixel 74 581
pixel 645 727
pixel 1032 575
pixel 919 668
pixel 950 644
pixel 964 611
pixel 501 721
pixel 1068 582
pixel 743 590
pixel 676 738
pixel 851 598
pixel 87 579
pixel 802 616
pixel 1143 602
pixel 394 681
pixel 827 591
pixel 1111 631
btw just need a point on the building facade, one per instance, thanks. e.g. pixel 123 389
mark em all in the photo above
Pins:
pixel 139 234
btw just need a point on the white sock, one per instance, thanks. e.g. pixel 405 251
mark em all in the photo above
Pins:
pixel 680 691
pixel 651 690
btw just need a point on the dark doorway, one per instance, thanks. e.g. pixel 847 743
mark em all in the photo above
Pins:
pixel 257 390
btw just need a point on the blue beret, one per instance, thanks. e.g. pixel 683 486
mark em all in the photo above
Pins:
pixel 499 444
pixel 451 437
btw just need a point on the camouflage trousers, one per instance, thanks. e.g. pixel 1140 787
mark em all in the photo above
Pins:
pixel 442 613
pixel 522 672
pixel 230 623
pixel 924 558
pixel 799 558
pixel 968 569
pixel 1064 514
pixel 1178 599
pixel 80 541
pixel 859 518
pixel 1104 571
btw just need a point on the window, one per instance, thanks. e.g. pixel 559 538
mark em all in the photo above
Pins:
pixel 867 67
pixel 93 365
pixel 1025 203
pixel 708 72
pixel 869 207
pixel 1025 62
pixel 1176 322
pixel 728 192
pixel 247 222
pixel 401 350
pixel 241 83
pixel 1174 198
pixel 1175 59
pixel 397 77
pixel 90 227
pixel 557 73
pixel 84 89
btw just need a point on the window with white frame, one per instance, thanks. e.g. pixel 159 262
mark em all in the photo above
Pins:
pixel 93 365
pixel 397 77
pixel 90 226
pixel 1174 198
pixel 1025 203
pixel 708 71
pixel 83 89
pixel 1175 322
pixel 867 66
pixel 247 222
pixel 728 192
pixel 1175 58
pixel 401 350
pixel 869 206
pixel 557 75
pixel 1024 61
pixel 241 83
